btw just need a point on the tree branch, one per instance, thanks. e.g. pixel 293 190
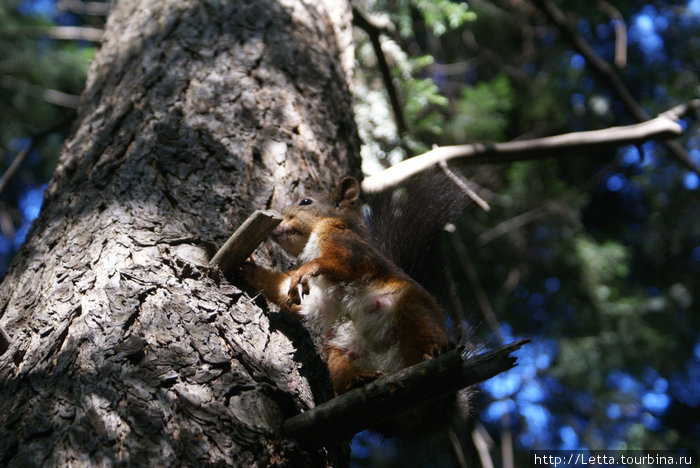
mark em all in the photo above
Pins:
pixel 479 293
pixel 661 127
pixel 52 96
pixel 245 240
pixel 36 137
pixel 620 32
pixel 84 8
pixel 67 33
pixel 517 222
pixel 483 443
pixel 460 182
pixel 15 165
pixel 373 31
pixel 607 74
pixel 345 415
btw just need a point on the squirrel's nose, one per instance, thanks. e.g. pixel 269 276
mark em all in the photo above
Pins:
pixel 281 231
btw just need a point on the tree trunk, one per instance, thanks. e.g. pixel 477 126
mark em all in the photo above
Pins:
pixel 124 346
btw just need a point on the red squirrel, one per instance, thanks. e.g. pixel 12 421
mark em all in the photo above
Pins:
pixel 372 318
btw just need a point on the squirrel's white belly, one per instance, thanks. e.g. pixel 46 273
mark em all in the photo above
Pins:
pixel 356 318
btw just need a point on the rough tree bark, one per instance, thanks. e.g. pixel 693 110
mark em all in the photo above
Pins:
pixel 124 346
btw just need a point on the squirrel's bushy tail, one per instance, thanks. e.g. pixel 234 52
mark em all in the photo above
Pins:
pixel 404 223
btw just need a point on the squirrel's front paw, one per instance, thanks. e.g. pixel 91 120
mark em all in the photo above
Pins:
pixel 300 278
pixel 294 295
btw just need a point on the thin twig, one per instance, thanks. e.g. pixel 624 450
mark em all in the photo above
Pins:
pixel 516 222
pixel 34 139
pixel 461 462
pixel 464 187
pixel 455 68
pixel 15 165
pixel 456 312
pixel 479 292
pixel 506 442
pixel 66 33
pixel 52 96
pixel 482 442
pixel 620 32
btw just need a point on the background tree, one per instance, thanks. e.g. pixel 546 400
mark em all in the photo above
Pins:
pixel 592 254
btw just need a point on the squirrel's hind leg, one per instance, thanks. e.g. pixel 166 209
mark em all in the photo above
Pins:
pixel 345 375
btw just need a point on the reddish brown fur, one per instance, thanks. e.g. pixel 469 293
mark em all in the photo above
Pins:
pixel 345 375
pixel 345 256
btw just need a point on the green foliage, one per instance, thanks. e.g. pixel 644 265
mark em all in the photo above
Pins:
pixel 533 182
pixel 483 111
pixel 423 108
pixel 599 265
pixel 440 16
pixel 424 103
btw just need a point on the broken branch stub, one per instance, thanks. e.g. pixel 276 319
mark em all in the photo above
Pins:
pixel 245 240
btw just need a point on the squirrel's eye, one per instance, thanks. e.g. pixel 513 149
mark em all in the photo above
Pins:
pixel 305 201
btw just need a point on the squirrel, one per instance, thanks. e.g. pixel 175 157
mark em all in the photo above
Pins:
pixel 372 317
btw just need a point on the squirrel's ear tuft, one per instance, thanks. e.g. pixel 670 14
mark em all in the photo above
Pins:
pixel 347 190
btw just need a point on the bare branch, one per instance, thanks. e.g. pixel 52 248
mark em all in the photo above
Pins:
pixel 606 73
pixel 620 32
pixel 462 184
pixel 52 96
pixel 456 68
pixel 479 292
pixel 60 98
pixel 245 240
pixel 15 165
pixel 66 33
pixel 518 221
pixel 36 137
pixel 599 66
pixel 345 415
pixel 374 31
pixel 662 127
pixel 457 450
pixel 456 312
pixel 506 441
pixel 84 8
pixel 483 443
